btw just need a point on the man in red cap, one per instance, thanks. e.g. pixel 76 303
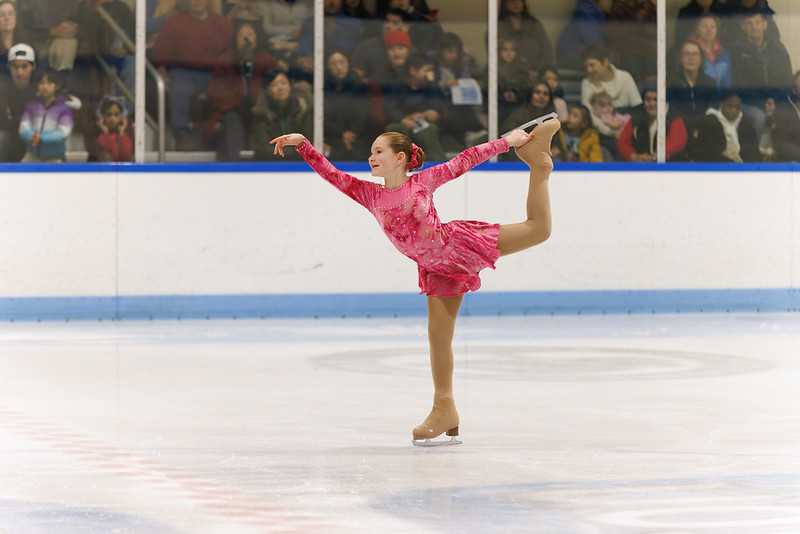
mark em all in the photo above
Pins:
pixel 369 59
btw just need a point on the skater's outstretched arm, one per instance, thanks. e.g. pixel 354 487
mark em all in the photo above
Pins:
pixel 359 190
pixel 439 175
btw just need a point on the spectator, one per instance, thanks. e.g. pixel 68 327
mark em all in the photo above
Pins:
pixel 191 44
pixel 47 121
pixel 760 67
pixel 513 78
pixel 716 60
pixel 279 110
pixel 415 108
pixel 539 102
pixel 690 13
pixel 15 93
pixel 741 140
pixel 233 90
pixel 394 69
pixel 423 25
pixel 604 76
pixel 282 22
pixel 638 142
pixel 736 11
pixel 608 122
pixel 586 28
pixel 346 117
pixel 451 64
pixel 113 136
pixel 690 92
pixel 341 30
pixel 577 141
pixel 52 32
pixel 516 22
pixel 612 122
pixel 11 32
pixel 96 38
pixel 765 145
pixel 356 9
pixel 158 11
pixel 632 36
pixel 369 59
pixel 549 74
pixel 786 135
pixel 246 11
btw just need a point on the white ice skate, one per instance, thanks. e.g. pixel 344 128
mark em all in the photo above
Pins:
pixel 429 442
pixel 537 120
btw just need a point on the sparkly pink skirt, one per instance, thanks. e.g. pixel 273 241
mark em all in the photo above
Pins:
pixel 474 248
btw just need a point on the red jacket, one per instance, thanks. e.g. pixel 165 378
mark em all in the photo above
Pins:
pixel 113 147
pixel 191 43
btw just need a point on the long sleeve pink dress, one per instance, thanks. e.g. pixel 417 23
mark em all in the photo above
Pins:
pixel 449 255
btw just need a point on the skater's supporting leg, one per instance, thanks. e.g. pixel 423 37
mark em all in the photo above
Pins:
pixel 442 314
pixel 536 228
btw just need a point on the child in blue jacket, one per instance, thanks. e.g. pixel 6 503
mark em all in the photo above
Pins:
pixel 47 121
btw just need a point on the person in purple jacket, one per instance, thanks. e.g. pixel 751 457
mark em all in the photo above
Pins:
pixel 47 121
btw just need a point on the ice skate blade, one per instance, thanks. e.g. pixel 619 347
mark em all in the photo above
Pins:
pixel 537 120
pixel 441 443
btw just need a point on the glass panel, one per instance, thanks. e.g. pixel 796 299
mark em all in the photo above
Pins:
pixel 400 73
pixel 67 81
pixel 733 59
pixel 238 73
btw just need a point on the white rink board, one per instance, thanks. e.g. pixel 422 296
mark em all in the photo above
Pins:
pixel 128 233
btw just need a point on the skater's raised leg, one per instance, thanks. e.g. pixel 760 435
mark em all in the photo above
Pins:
pixel 442 314
pixel 536 228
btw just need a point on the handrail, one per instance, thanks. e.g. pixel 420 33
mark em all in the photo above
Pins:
pixel 160 123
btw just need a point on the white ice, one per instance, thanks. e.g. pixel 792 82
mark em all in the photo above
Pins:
pixel 618 424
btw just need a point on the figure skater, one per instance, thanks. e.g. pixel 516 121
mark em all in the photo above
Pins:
pixel 449 255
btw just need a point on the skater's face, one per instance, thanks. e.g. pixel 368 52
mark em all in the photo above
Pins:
pixel 731 107
pixel 112 117
pixel 383 160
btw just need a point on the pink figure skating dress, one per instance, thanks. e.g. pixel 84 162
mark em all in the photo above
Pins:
pixel 449 255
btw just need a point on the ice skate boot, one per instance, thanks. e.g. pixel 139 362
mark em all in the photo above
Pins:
pixel 536 152
pixel 442 419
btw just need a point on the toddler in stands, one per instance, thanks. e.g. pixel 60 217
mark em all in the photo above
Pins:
pixel 610 121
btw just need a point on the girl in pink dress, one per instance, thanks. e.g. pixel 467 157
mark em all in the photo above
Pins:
pixel 449 255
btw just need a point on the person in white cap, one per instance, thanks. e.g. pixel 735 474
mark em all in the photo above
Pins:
pixel 15 93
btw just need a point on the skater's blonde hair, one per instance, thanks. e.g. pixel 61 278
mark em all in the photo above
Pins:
pixel 398 142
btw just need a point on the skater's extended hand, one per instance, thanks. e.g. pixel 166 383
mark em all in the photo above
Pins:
pixel 293 139
pixel 518 138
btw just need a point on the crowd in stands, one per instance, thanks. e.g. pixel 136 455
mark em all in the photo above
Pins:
pixel 240 72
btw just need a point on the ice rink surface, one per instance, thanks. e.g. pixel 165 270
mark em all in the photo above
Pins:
pixel 659 424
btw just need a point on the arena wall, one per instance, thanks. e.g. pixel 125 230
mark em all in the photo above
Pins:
pixel 123 241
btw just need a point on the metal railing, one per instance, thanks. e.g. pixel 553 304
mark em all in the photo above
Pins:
pixel 158 124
